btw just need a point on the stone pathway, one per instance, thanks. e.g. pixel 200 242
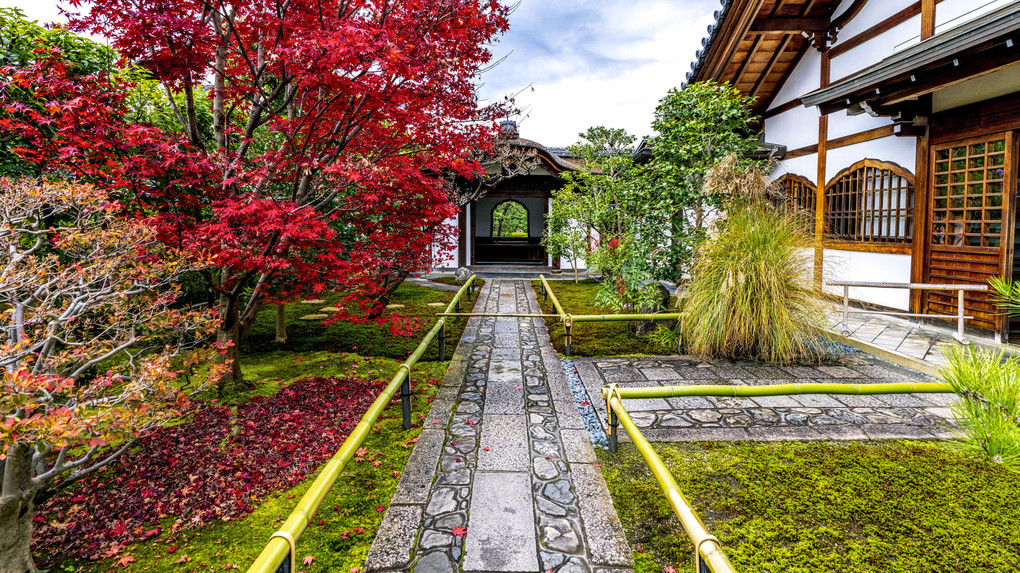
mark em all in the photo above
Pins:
pixel 801 417
pixel 503 475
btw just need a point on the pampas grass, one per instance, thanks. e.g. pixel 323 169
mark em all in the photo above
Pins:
pixel 751 292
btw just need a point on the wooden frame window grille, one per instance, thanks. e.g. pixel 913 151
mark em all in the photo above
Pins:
pixel 967 193
pixel 870 202
pixel 799 193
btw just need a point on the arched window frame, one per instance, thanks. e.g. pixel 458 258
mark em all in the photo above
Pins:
pixel 492 217
pixel 857 211
pixel 800 192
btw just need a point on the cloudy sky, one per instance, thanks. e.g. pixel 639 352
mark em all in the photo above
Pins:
pixel 579 62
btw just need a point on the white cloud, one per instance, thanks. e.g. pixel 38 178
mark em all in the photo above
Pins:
pixel 595 64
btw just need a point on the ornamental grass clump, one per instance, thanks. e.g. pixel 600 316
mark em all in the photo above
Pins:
pixel 751 292
pixel 989 407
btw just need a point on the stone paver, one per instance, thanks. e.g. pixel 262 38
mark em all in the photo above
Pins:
pixel 506 458
pixel 770 418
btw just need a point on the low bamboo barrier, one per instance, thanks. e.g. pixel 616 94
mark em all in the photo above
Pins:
pixel 279 554
pixel 708 556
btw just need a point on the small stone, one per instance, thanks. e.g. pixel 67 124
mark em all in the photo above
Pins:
pixel 394 306
pixel 549 508
pixel 467 407
pixel 313 301
pixel 459 477
pixel 314 317
pixel 444 500
pixel 764 416
pixel 704 415
pixel 435 562
pixel 431 539
pixel 559 491
pixel 797 419
pixel 449 521
pixel 674 421
pixel 544 468
pixel 437 304
pixel 329 309
pixel 558 534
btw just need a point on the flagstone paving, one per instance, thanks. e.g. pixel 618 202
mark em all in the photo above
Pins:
pixel 502 477
pixel 772 418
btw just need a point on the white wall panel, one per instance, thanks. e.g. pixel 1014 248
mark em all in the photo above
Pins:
pixel 872 267
pixel 899 150
pixel 806 77
pixel 984 87
pixel 875 49
pixel 806 166
pixel 952 13
pixel 873 13
pixel 795 128
pixel 841 124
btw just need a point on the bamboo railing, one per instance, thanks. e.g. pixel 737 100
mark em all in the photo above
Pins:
pixel 279 554
pixel 708 556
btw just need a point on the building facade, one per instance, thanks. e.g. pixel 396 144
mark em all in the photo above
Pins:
pixel 483 242
pixel 900 120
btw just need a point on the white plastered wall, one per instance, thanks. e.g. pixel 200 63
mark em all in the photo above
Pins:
pixel 899 150
pixel 877 48
pixel 872 267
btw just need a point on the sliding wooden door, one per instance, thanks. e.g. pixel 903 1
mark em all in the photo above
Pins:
pixel 971 219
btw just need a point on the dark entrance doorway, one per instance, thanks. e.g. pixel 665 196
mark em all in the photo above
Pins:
pixel 509 231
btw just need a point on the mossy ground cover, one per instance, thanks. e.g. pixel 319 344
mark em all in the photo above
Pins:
pixel 823 507
pixel 590 338
pixel 341 533
pixel 366 339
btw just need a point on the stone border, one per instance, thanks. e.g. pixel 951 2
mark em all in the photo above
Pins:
pixel 391 549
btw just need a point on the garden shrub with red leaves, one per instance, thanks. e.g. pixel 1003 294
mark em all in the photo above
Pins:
pixel 217 465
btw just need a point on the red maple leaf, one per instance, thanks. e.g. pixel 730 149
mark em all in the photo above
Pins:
pixel 459 531
pixel 308 560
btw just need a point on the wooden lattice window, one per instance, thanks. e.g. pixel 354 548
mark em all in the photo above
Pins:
pixel 872 202
pixel 799 193
pixel 967 193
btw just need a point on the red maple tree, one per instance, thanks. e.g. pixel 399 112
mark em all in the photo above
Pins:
pixel 334 123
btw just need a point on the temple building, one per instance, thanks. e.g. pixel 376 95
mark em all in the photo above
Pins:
pixel 899 120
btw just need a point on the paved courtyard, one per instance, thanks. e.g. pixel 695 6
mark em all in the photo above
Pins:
pixel 503 476
pixel 803 417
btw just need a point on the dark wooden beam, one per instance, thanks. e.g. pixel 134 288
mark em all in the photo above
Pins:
pixel 927 19
pixel 789 25
pixel 848 14
pixel 741 15
pixel 747 60
pixel 772 63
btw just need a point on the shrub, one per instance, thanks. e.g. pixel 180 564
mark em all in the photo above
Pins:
pixel 989 407
pixel 751 292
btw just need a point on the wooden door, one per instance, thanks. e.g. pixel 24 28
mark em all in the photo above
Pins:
pixel 970 216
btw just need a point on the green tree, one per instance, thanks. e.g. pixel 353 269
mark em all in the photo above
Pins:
pixel 697 126
pixel 510 219
pixel 590 205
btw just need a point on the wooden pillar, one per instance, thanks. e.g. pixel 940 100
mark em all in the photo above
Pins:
pixel 462 241
pixel 927 19
pixel 823 136
pixel 922 177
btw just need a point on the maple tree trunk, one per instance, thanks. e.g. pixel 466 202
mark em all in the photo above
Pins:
pixel 229 330
pixel 17 508
pixel 389 287
pixel 281 323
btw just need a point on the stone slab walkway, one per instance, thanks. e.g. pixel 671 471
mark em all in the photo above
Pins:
pixel 502 477
pixel 803 417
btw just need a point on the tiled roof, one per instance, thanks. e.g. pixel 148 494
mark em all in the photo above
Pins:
pixel 706 42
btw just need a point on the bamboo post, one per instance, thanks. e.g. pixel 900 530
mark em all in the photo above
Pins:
pixel 442 341
pixel 614 430
pixel 405 402
pixel 846 310
pixel 960 317
pixel 566 338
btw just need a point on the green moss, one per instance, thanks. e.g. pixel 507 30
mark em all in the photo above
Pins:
pixel 820 507
pixel 590 338
pixel 351 504
pixel 367 339
pixel 456 281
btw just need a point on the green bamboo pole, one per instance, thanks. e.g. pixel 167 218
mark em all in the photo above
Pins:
pixel 278 548
pixel 785 390
pixel 622 317
pixel 704 543
pixel 552 295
